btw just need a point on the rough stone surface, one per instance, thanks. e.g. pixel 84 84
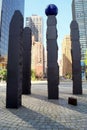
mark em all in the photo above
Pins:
pixel 26 84
pixel 15 62
pixel 52 58
pixel 76 58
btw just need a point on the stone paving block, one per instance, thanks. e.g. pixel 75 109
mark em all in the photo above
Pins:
pixel 39 113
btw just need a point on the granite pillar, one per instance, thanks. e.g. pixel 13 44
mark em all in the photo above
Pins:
pixel 76 58
pixel 52 53
pixel 27 42
pixel 15 62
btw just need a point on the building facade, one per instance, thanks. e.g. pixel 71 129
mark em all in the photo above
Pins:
pixel 7 8
pixel 66 56
pixel 37 62
pixel 0 15
pixel 79 13
pixel 35 22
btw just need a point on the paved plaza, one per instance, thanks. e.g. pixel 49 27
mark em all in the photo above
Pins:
pixel 39 113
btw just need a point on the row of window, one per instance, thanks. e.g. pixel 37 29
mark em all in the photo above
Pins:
pixel 8 8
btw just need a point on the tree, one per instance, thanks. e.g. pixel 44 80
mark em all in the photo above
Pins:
pixel 85 58
pixel 3 74
pixel 85 61
pixel 33 76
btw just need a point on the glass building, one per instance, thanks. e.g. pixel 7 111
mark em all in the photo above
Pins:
pixel 35 22
pixel 79 13
pixel 7 8
pixel 0 15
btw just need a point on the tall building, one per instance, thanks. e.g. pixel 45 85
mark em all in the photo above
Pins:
pixel 0 16
pixel 35 22
pixel 37 63
pixel 79 13
pixel 66 56
pixel 7 8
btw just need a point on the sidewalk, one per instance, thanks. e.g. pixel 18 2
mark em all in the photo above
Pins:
pixel 39 113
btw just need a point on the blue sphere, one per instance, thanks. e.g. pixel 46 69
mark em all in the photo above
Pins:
pixel 51 10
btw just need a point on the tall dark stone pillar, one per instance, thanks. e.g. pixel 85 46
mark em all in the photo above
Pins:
pixel 26 85
pixel 15 62
pixel 52 53
pixel 76 58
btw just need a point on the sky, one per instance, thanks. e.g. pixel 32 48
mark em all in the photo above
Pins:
pixel 64 17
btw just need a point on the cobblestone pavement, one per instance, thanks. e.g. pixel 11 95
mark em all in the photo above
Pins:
pixel 39 113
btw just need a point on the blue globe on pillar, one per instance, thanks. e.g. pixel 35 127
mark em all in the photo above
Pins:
pixel 51 10
pixel 52 52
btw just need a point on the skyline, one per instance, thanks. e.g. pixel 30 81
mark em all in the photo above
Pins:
pixel 64 17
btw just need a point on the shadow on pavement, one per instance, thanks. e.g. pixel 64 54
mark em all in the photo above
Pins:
pixel 81 104
pixel 37 120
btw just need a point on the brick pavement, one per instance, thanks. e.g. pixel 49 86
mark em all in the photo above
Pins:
pixel 39 113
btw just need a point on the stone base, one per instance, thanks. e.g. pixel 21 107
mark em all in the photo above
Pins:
pixel 77 90
pixel 13 104
pixel 72 101
pixel 77 84
pixel 53 93
pixel 26 91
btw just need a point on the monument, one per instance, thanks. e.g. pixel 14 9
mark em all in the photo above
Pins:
pixel 52 52
pixel 26 84
pixel 15 62
pixel 76 58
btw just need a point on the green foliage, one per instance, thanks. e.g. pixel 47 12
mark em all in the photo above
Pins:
pixel 85 61
pixel 3 74
pixel 85 58
pixel 68 76
pixel 33 76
